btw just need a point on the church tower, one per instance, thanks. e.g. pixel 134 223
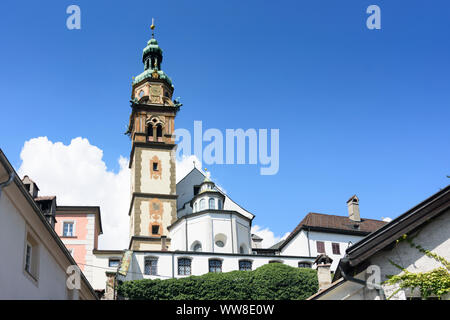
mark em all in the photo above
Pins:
pixel 152 160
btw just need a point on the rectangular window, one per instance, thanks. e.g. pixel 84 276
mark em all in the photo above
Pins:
pixel 184 266
pixel 245 265
pixel 215 265
pixel 113 263
pixel 336 248
pixel 155 166
pixel 320 247
pixel 304 265
pixel 151 266
pixel 68 229
pixel 28 255
pixel 155 229
pixel 31 258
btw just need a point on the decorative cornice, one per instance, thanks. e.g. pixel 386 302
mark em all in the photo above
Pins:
pixel 150 145
pixel 150 196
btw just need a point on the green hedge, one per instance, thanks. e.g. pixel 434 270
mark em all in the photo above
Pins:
pixel 274 281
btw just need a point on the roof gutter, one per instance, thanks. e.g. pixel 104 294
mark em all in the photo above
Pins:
pixel 6 183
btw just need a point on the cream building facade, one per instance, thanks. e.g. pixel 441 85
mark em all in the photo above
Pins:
pixel 35 261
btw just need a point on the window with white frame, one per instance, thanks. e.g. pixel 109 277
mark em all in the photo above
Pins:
pixel 245 265
pixel 336 248
pixel 113 262
pixel 302 264
pixel 212 203
pixel 31 256
pixel 184 266
pixel 151 266
pixel 215 265
pixel 320 247
pixel 68 229
pixel 202 204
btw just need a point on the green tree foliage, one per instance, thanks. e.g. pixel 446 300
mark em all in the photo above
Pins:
pixel 274 281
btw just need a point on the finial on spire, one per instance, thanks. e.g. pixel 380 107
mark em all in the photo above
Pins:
pixel 153 28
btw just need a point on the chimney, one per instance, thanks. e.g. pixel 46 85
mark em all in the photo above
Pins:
pixel 30 186
pixel 323 263
pixel 163 243
pixel 353 208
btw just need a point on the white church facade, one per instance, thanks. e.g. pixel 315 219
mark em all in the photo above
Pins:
pixel 192 227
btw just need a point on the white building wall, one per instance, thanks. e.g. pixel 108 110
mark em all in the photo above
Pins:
pixel 209 227
pixel 168 263
pixel 101 263
pixel 299 245
pixel 434 237
pixel 15 283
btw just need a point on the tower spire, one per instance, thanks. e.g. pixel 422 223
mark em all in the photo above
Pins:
pixel 153 28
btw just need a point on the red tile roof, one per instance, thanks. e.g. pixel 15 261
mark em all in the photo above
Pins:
pixel 333 223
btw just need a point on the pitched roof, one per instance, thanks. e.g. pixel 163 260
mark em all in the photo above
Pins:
pixel 433 206
pixel 277 245
pixel 333 223
pixel 412 219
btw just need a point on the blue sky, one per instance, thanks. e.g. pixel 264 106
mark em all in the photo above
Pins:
pixel 359 111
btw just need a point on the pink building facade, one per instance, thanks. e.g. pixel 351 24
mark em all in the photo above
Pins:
pixel 79 228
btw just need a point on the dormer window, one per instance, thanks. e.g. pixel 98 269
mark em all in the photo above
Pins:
pixel 211 203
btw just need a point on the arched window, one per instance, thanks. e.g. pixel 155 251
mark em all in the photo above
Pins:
pixel 195 207
pixel 150 130
pixel 219 204
pixel 215 265
pixel 211 203
pixel 202 204
pixel 243 249
pixel 197 247
pixel 245 265
pixel 151 266
pixel 303 264
pixel 159 131
pixel 184 266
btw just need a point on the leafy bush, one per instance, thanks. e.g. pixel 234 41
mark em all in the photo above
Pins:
pixel 274 281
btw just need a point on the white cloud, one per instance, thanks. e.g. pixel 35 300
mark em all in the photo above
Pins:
pixel 77 175
pixel 186 165
pixel 387 219
pixel 269 238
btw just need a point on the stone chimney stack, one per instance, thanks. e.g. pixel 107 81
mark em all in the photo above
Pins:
pixel 30 186
pixel 353 208
pixel 323 265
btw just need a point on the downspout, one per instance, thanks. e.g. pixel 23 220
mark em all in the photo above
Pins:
pixel 173 264
pixel 307 237
pixel 347 277
pixel 6 183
